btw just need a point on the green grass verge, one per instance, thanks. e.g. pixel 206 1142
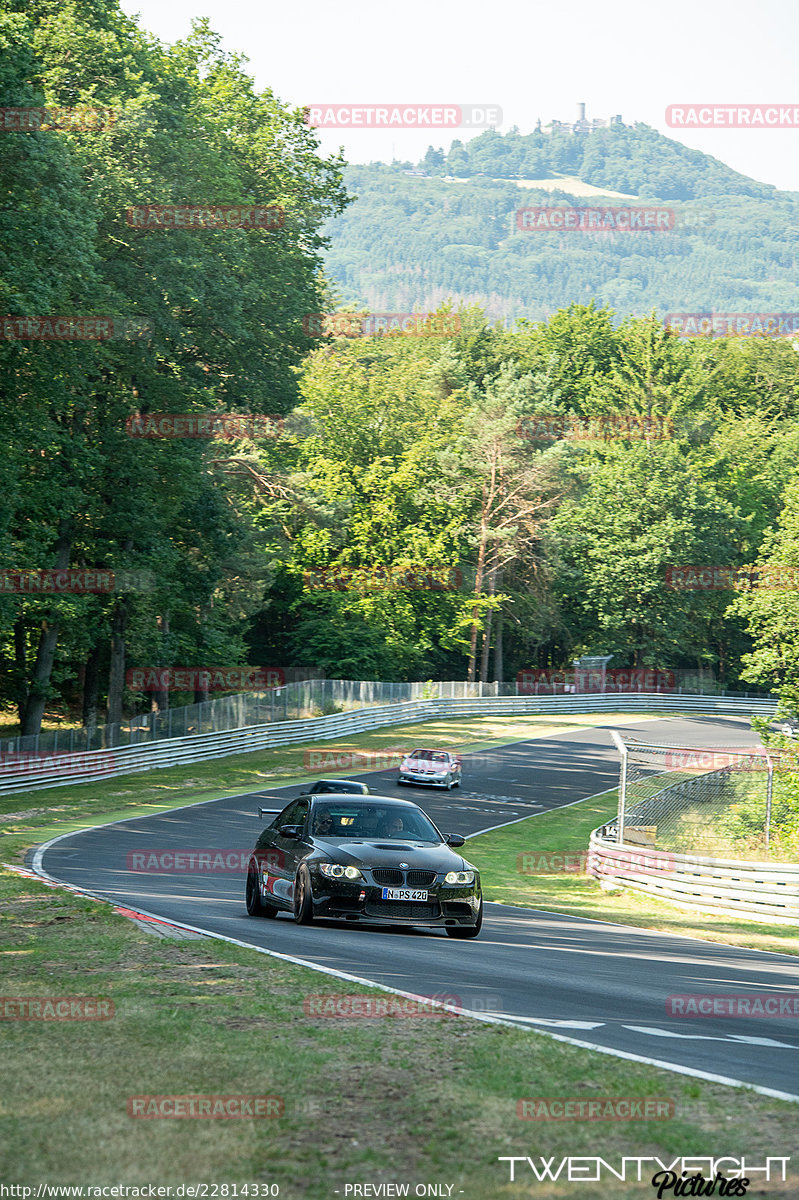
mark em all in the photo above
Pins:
pixel 152 791
pixel 497 855
pixel 403 1100
pixel 366 1101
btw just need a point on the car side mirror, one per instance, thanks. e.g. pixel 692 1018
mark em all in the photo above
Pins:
pixel 291 831
pixel 455 839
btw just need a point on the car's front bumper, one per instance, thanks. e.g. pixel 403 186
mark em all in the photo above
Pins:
pixel 425 780
pixel 357 901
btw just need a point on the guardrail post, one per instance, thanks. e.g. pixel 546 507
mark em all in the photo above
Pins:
pixel 769 793
pixel 622 786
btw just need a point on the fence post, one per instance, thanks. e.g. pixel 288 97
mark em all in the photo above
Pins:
pixel 622 786
pixel 769 794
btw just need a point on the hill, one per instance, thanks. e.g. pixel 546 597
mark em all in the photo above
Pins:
pixel 409 241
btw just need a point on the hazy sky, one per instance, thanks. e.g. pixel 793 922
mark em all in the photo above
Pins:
pixel 532 58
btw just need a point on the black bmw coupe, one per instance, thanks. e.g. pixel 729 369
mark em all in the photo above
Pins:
pixel 372 859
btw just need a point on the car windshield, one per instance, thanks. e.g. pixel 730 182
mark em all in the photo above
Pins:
pixel 436 756
pixel 395 821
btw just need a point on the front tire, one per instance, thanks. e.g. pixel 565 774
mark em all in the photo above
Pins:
pixel 255 905
pixel 467 931
pixel 303 900
pixel 253 892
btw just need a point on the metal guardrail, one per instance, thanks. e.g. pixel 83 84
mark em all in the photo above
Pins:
pixel 298 700
pixel 124 760
pixel 768 891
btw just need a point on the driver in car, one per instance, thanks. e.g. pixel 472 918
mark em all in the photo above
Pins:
pixel 324 822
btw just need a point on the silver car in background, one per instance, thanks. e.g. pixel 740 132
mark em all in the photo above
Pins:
pixel 430 768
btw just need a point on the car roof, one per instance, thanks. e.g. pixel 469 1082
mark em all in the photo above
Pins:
pixel 351 798
pixel 340 782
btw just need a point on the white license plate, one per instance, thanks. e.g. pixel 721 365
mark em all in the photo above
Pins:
pixel 403 894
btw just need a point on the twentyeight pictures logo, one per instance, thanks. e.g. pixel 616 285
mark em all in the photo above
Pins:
pixel 403 116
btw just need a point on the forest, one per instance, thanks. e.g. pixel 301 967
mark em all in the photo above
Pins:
pixel 731 245
pixel 468 500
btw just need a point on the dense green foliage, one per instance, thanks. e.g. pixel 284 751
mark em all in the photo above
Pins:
pixel 409 242
pixel 631 159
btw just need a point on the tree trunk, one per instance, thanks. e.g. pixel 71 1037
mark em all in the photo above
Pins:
pixel 478 587
pixel 21 666
pixel 499 664
pixel 492 587
pixel 159 701
pixel 39 689
pixel 116 671
pixel 91 688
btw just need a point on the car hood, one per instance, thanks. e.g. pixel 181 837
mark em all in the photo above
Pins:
pixel 377 853
pixel 424 764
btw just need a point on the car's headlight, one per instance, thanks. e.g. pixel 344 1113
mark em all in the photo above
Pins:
pixel 459 877
pixel 336 871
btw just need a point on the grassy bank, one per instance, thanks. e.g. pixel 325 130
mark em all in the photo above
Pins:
pixel 376 1100
pixel 499 856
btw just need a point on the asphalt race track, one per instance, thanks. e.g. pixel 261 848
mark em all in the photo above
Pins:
pixel 601 984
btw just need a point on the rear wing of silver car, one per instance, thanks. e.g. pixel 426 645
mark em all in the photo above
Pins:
pixel 269 812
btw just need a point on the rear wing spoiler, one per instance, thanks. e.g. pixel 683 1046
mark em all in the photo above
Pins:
pixel 269 812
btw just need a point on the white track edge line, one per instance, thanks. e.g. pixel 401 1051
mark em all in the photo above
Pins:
pixel 693 1072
